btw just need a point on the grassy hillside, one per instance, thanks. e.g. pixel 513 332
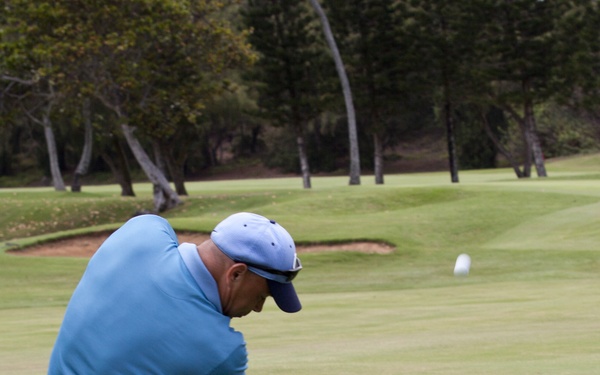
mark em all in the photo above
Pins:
pixel 528 306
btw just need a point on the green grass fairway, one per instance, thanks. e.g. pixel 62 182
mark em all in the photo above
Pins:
pixel 531 304
pixel 472 328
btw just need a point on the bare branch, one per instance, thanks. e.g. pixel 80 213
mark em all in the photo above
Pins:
pixel 29 82
pixel 32 117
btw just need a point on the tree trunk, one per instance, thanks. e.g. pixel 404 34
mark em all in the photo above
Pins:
pixel 119 167
pixel 526 148
pixel 532 137
pixel 167 198
pixel 160 201
pixel 159 157
pixel 86 154
pixel 119 175
pixel 536 148
pixel 303 161
pixel 378 159
pixel 352 134
pixel 175 169
pixel 57 180
pixel 526 143
pixel 123 165
pixel 448 119
pixel 255 133
pixel 514 164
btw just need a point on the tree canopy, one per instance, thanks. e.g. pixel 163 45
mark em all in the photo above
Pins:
pixel 155 73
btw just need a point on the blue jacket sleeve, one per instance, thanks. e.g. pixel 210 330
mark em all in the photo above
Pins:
pixel 236 364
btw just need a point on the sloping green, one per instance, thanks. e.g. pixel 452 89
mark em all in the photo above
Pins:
pixel 529 304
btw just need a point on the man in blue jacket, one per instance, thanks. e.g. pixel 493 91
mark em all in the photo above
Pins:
pixel 147 305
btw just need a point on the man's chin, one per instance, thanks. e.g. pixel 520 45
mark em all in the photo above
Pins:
pixel 240 315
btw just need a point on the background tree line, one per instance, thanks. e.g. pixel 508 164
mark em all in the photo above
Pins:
pixel 171 87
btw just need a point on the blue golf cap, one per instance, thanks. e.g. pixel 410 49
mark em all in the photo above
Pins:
pixel 267 249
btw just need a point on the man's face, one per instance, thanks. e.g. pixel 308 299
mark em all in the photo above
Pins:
pixel 247 293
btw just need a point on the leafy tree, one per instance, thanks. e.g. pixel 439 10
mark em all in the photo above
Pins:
pixel 438 40
pixel 566 131
pixel 174 52
pixel 350 112
pixel 112 150
pixel 229 120
pixel 502 54
pixel 579 74
pixel 365 29
pixel 86 153
pixel 518 59
pixel 28 64
pixel 142 59
pixel 38 103
pixel 288 73
pixel 476 150
pixel 495 125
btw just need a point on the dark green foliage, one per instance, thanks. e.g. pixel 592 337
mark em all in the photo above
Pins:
pixel 579 43
pixel 282 153
pixel 517 44
pixel 153 63
pixel 326 144
pixel 290 72
pixel 403 58
pixel 377 69
pixel 564 132
pixel 475 148
pixel 365 31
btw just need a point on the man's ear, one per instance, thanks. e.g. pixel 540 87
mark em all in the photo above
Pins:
pixel 236 272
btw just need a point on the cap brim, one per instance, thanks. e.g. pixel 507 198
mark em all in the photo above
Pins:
pixel 285 296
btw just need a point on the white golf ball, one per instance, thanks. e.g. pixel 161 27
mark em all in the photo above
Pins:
pixel 463 265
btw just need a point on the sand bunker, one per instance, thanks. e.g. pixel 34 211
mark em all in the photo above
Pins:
pixel 85 246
